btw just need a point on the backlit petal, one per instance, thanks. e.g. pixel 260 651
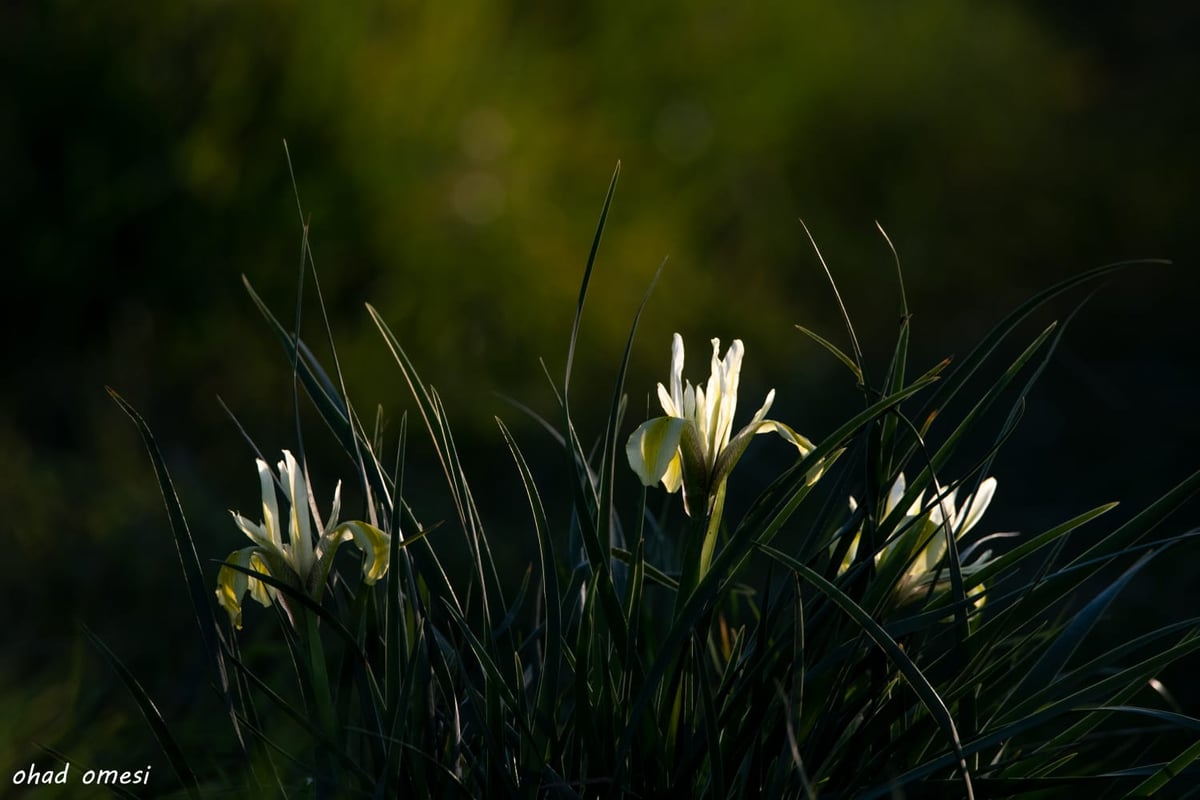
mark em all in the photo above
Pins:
pixel 300 526
pixel 652 447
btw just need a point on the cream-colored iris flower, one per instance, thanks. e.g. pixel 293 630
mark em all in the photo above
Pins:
pixel 694 447
pixel 927 568
pixel 299 562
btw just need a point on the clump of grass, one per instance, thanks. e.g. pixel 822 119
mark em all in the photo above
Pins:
pixel 819 646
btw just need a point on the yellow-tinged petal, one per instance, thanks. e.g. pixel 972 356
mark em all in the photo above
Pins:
pixel 653 447
pixel 233 584
pixel 800 442
pixel 299 526
pixel 672 479
pixel 375 545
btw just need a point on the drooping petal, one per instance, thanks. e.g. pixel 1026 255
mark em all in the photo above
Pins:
pixel 233 584
pixel 653 447
pixel 374 544
pixel 800 442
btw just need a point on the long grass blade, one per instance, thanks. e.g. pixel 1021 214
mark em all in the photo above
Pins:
pixel 154 718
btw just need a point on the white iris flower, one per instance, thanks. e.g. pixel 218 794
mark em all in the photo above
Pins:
pixel 299 562
pixel 927 568
pixel 694 447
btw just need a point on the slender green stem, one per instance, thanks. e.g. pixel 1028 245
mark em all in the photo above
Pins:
pixel 710 534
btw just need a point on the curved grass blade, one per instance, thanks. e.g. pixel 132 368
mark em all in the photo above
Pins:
pixel 153 717
pixel 833 350
pixel 548 679
pixel 858 356
pixel 912 674
pixel 587 277
pixel 1045 712
pixel 1049 667
pixel 967 368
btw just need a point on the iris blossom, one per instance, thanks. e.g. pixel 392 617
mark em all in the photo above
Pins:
pixel 694 446
pixel 927 569
pixel 300 562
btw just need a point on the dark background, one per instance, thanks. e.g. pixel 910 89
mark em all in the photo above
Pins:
pixel 452 159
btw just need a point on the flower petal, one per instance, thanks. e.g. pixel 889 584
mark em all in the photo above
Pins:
pixel 233 584
pixel 374 543
pixel 336 508
pixel 970 515
pixel 729 372
pixel 270 506
pixel 895 494
pixel 299 526
pixel 676 375
pixel 668 402
pixel 653 447
pixel 800 442
pixel 256 533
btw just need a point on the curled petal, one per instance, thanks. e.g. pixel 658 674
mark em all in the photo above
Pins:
pixel 800 442
pixel 374 544
pixel 653 447
pixel 233 584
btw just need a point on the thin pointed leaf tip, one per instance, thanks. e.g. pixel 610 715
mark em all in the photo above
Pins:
pixel 304 560
pixel 694 447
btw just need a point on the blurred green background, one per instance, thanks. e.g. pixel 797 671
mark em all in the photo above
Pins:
pixel 452 159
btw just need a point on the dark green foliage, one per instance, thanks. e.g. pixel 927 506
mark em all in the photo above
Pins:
pixel 790 665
